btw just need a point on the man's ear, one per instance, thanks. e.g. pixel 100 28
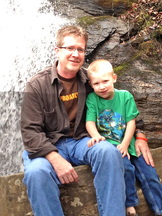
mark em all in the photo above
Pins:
pixel 115 77
pixel 56 49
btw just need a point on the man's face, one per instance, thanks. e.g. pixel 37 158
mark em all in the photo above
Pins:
pixel 70 55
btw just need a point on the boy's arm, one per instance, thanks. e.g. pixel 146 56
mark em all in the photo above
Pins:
pixel 93 132
pixel 129 132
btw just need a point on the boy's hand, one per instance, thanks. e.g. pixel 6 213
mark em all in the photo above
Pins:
pixel 123 150
pixel 94 140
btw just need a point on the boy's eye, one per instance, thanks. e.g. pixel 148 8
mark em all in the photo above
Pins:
pixel 95 83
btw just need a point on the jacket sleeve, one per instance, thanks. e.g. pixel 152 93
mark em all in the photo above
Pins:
pixel 32 124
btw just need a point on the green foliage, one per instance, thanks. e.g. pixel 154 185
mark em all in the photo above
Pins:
pixel 157 34
pixel 150 48
pixel 90 20
pixel 121 68
pixel 145 15
pixel 109 3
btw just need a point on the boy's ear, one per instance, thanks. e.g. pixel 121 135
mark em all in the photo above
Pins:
pixel 89 83
pixel 115 78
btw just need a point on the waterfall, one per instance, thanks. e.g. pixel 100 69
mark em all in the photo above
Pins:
pixel 27 30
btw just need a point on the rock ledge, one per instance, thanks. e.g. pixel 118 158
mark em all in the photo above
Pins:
pixel 77 199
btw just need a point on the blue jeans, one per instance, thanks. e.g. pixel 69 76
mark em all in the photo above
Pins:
pixel 130 183
pixel 150 184
pixel 107 167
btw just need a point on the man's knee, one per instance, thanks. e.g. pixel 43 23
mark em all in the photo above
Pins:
pixel 37 170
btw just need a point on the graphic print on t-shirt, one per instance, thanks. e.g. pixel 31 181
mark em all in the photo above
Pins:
pixel 111 125
pixel 69 97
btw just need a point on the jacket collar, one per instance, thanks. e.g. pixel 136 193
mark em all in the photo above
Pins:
pixel 82 74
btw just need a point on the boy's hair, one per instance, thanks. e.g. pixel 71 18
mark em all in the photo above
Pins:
pixel 98 65
pixel 68 30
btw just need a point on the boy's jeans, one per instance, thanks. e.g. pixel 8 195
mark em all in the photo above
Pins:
pixel 150 184
pixel 130 183
pixel 107 167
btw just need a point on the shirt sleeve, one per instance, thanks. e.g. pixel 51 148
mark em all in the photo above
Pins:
pixel 91 110
pixel 32 124
pixel 131 107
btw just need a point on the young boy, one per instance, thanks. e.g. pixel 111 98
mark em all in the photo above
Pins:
pixel 111 115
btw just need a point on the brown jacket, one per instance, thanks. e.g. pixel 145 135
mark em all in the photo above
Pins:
pixel 43 116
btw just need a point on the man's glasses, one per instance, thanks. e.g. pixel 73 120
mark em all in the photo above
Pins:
pixel 72 49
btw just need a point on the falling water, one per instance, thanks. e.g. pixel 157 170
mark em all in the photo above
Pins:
pixel 27 31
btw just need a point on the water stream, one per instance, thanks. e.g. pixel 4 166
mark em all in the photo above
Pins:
pixel 27 30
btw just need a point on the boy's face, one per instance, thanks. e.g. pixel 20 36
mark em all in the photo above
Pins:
pixel 103 84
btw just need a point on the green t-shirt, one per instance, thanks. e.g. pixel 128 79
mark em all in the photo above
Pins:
pixel 111 116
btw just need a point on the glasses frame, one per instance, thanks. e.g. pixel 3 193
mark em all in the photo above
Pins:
pixel 73 49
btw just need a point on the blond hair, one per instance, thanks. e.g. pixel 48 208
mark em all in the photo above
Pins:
pixel 98 65
pixel 68 30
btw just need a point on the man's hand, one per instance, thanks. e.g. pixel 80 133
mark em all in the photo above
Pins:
pixel 142 147
pixel 62 167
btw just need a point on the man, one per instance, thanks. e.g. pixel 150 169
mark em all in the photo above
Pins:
pixel 55 138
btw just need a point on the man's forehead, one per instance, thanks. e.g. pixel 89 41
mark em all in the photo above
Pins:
pixel 73 38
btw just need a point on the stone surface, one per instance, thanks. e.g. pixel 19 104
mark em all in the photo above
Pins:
pixel 133 51
pixel 73 8
pixel 77 199
pixel 13 199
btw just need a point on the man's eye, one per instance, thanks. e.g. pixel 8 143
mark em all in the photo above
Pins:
pixel 70 48
pixel 80 50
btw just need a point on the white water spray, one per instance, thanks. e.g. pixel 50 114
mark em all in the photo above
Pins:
pixel 27 30
pixel 26 40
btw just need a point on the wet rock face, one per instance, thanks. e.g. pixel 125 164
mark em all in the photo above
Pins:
pixel 93 7
pixel 135 53
pixel 144 81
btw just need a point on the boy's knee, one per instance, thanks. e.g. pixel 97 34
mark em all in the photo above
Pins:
pixel 104 148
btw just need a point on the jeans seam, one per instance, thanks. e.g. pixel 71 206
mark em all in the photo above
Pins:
pixel 156 210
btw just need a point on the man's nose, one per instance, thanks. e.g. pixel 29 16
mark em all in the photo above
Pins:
pixel 75 53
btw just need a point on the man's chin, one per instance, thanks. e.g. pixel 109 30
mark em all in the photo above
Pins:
pixel 74 68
